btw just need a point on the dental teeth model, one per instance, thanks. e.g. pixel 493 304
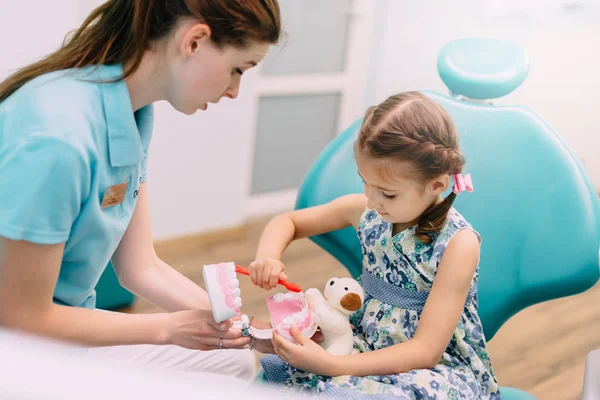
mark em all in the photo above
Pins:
pixel 285 309
pixel 291 309
pixel 223 290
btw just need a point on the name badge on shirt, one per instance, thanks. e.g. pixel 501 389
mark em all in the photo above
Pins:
pixel 114 195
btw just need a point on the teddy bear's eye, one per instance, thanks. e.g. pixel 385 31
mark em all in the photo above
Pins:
pixel 331 283
pixel 346 289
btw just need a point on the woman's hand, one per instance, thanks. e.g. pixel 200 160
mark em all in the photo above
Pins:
pixel 306 355
pixel 197 330
pixel 267 273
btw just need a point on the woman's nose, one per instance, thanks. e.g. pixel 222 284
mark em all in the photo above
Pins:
pixel 233 90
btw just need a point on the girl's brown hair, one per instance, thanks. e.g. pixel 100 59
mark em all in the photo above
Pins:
pixel 119 31
pixel 413 128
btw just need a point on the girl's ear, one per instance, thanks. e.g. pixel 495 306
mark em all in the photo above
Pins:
pixel 438 185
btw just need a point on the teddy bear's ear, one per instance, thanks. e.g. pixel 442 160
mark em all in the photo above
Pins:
pixel 351 302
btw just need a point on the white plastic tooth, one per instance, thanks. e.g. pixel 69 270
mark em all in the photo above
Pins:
pixel 289 296
pixel 278 297
pixel 230 267
pixel 304 312
pixel 238 302
pixel 245 319
pixel 237 292
pixel 232 274
pixel 298 317
pixel 288 321
pixel 235 282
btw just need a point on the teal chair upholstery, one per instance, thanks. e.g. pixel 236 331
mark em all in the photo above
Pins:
pixel 482 69
pixel 534 205
pixel 110 295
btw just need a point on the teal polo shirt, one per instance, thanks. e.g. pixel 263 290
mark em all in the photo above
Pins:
pixel 68 145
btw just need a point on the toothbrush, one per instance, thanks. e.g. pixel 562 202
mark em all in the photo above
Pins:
pixel 292 287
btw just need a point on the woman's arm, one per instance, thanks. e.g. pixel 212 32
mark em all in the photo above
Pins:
pixel 283 229
pixel 28 275
pixel 438 321
pixel 141 271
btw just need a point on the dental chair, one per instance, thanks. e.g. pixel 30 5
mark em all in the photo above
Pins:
pixel 110 295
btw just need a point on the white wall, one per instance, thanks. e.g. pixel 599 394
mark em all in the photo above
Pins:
pixel 564 81
pixel 195 177
pixel 26 36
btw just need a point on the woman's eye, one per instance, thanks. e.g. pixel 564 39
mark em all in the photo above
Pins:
pixel 238 71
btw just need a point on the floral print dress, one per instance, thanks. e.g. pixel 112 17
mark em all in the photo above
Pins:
pixel 398 272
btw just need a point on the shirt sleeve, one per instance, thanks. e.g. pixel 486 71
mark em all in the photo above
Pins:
pixel 44 180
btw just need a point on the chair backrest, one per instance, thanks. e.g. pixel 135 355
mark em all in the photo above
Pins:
pixel 534 205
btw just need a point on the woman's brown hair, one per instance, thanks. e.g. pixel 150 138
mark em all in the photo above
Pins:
pixel 413 128
pixel 120 31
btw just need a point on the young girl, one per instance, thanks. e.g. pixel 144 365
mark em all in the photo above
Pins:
pixel 418 332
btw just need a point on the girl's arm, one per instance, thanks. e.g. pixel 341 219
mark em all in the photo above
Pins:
pixel 438 321
pixel 141 271
pixel 283 229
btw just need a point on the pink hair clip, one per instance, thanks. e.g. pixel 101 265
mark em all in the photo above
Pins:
pixel 462 183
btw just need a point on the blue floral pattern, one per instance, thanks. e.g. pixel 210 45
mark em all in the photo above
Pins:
pixel 464 371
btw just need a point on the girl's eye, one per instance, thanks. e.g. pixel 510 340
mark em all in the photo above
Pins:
pixel 389 197
pixel 238 71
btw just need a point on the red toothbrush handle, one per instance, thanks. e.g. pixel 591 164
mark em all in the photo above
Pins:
pixel 292 287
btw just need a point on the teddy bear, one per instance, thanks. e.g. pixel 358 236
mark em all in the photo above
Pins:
pixel 342 297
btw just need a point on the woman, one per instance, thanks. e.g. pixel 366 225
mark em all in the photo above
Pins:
pixel 74 134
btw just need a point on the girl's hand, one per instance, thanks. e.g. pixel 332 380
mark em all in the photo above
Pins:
pixel 265 346
pixel 306 355
pixel 266 273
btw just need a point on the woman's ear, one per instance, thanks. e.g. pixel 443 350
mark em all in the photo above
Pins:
pixel 195 35
pixel 438 185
